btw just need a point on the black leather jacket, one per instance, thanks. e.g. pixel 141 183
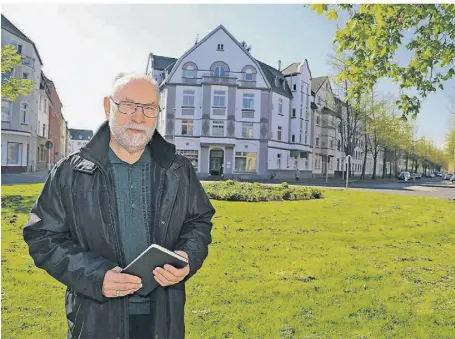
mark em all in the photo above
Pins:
pixel 72 233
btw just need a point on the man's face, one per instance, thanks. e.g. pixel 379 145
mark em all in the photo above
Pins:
pixel 132 131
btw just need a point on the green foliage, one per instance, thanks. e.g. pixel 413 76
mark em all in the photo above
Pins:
pixel 374 33
pixel 351 265
pixel 254 192
pixel 12 87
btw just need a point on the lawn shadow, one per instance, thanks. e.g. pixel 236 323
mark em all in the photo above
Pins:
pixel 18 203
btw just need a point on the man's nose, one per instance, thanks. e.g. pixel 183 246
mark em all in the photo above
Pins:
pixel 138 115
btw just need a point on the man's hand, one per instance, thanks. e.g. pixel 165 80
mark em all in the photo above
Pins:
pixel 171 275
pixel 118 284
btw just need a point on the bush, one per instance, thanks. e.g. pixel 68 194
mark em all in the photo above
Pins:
pixel 231 190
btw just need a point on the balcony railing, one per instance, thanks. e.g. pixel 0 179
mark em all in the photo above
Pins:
pixel 212 78
pixel 27 61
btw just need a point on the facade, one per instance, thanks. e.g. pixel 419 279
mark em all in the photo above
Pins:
pixel 20 118
pixel 229 113
pixel 78 138
pixel 63 151
pixel 44 112
pixel 55 120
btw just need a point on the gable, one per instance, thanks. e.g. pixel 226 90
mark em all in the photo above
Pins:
pixel 205 56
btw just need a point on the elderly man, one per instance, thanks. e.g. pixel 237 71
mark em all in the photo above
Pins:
pixel 104 205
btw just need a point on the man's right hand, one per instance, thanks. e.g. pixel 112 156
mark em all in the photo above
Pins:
pixel 123 283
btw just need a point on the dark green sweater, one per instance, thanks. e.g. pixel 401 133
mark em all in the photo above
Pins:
pixel 132 188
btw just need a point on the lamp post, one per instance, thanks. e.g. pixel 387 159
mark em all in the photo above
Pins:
pixel 348 160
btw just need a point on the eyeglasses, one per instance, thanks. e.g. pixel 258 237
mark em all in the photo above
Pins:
pixel 129 108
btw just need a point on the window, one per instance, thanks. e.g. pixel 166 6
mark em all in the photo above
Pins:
pixel 339 145
pixel 218 128
pixel 18 47
pixel 294 87
pixel 24 107
pixel 6 110
pixel 187 127
pixel 293 138
pixel 249 75
pixel 331 143
pixel 188 98
pixel 220 47
pixel 317 142
pixel 247 129
pixel 220 71
pixel 248 101
pixel 6 76
pixel 219 99
pixel 191 155
pixel 14 155
pixel 339 127
pixel 279 132
pixel 190 72
pixel 278 160
pixel 318 121
pixel 245 162
pixel 44 130
pixel 280 106
pixel 25 75
pixel 293 113
pixel 338 164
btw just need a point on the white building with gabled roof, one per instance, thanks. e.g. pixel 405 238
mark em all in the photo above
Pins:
pixel 231 113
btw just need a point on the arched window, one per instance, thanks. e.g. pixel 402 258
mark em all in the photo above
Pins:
pixel 190 70
pixel 219 71
pixel 249 73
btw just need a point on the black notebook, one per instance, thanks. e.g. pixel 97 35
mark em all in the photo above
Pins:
pixel 154 256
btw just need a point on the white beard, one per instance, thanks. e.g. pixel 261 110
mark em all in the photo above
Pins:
pixel 131 143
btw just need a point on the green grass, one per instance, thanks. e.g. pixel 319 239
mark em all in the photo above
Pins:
pixel 351 265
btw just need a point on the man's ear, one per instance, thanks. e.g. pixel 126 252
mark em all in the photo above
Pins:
pixel 107 107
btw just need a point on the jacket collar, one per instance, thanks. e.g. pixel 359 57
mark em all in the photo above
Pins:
pixel 97 148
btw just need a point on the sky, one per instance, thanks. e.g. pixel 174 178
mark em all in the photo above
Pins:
pixel 83 47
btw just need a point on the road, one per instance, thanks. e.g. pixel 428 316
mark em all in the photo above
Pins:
pixel 424 187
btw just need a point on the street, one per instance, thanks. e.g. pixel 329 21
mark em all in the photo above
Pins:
pixel 434 187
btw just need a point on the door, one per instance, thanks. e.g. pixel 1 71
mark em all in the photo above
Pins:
pixel 216 161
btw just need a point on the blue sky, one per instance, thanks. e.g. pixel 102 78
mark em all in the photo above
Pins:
pixel 84 46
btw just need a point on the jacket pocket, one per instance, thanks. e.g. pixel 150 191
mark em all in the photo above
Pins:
pixel 75 313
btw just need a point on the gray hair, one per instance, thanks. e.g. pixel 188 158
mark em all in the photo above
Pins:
pixel 123 79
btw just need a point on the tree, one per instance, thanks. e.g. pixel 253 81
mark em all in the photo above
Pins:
pixel 12 87
pixel 374 34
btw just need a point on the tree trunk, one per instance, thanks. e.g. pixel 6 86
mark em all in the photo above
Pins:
pixel 375 160
pixel 407 160
pixel 364 165
pixel 417 166
pixel 384 164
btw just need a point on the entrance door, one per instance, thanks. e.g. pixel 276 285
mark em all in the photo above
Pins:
pixel 216 161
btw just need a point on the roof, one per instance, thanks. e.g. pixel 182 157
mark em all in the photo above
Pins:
pixel 292 69
pixel 80 134
pixel 162 62
pixel 316 83
pixel 9 26
pixel 272 73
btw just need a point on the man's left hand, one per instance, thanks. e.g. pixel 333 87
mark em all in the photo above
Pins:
pixel 169 275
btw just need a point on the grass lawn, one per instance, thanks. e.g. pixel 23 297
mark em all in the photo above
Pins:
pixel 352 265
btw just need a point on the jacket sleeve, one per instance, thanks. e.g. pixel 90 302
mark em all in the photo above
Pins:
pixel 47 235
pixel 195 236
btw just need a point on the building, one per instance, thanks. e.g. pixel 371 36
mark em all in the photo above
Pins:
pixel 327 140
pixel 55 120
pixel 78 138
pixel 20 118
pixel 44 112
pixel 63 151
pixel 230 113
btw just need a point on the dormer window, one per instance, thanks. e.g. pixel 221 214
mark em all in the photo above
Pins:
pixel 220 47
pixel 189 72
pixel 249 75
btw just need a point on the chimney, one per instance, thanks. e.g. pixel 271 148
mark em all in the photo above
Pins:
pixel 279 65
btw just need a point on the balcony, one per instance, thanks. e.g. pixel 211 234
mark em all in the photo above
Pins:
pixel 27 61
pixel 211 78
pixel 247 83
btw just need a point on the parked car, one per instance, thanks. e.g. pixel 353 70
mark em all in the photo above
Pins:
pixel 404 176
pixel 417 175
pixel 439 174
pixel 430 175
pixel 447 176
pixel 452 179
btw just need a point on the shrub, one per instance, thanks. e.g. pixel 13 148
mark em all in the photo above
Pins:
pixel 231 190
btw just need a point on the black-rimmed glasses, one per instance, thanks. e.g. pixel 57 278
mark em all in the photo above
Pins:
pixel 129 108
